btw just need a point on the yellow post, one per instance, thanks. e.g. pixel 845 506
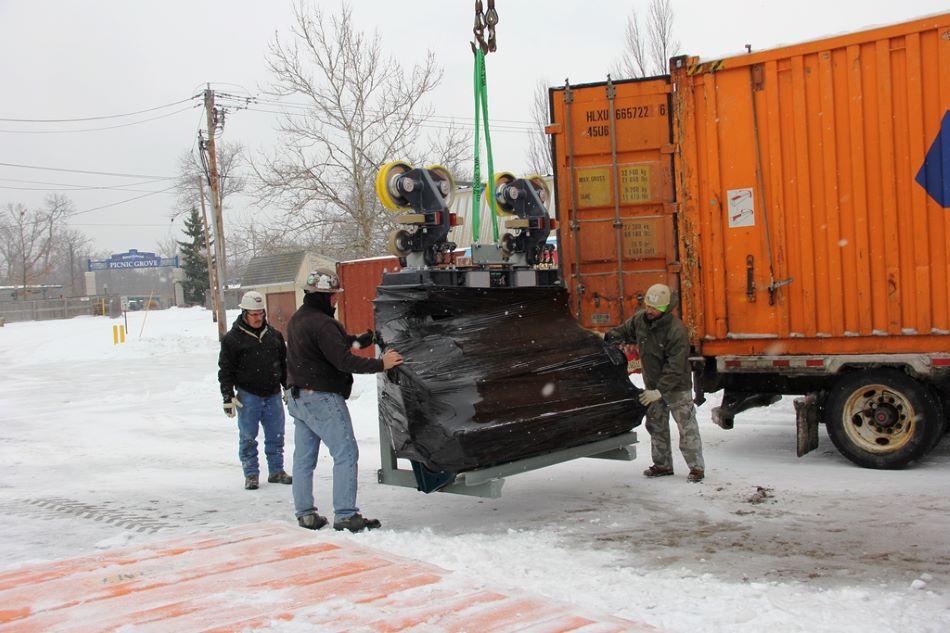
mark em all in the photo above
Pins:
pixel 115 334
pixel 121 334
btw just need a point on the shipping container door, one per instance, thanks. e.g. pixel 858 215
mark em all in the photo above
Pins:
pixel 721 115
pixel 613 157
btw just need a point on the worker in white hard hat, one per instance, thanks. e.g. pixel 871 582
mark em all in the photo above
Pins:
pixel 662 341
pixel 252 372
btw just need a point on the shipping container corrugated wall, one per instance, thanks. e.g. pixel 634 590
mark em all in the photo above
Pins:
pixel 613 154
pixel 813 191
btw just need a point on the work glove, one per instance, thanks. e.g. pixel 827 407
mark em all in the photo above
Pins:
pixel 231 406
pixel 649 396
pixel 365 339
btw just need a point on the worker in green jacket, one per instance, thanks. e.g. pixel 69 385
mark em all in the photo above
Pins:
pixel 663 344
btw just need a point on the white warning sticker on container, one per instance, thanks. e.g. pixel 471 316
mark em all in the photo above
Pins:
pixel 741 208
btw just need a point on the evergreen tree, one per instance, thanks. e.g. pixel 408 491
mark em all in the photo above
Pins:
pixel 194 260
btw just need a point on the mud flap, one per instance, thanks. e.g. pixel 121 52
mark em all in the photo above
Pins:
pixel 806 421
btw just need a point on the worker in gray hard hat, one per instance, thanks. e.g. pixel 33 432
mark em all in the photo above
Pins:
pixel 662 341
pixel 252 371
pixel 320 368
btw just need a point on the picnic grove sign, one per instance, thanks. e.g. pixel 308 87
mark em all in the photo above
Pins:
pixel 132 260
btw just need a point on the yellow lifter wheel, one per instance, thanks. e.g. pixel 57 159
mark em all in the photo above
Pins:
pixel 503 206
pixel 446 182
pixel 386 185
pixel 541 185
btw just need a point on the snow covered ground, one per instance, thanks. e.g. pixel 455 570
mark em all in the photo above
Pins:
pixel 107 445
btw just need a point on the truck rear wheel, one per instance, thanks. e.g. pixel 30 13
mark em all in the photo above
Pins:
pixel 882 418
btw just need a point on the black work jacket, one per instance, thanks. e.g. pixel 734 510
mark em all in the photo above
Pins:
pixel 253 361
pixel 664 349
pixel 320 354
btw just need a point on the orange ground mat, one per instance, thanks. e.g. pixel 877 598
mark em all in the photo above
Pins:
pixel 270 577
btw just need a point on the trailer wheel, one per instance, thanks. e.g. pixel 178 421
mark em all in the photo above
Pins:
pixel 882 418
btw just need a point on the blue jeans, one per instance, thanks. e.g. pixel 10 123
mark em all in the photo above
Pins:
pixel 323 417
pixel 266 411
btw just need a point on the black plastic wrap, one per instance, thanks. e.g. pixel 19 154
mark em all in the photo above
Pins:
pixel 493 375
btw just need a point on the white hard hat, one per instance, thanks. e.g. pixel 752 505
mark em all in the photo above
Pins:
pixel 322 280
pixel 658 297
pixel 253 301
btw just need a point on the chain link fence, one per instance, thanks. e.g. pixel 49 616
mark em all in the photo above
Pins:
pixel 62 308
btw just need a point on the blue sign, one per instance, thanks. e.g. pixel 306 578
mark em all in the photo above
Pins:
pixel 934 175
pixel 132 260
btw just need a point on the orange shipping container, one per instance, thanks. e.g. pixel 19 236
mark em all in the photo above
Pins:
pixel 808 223
pixel 781 190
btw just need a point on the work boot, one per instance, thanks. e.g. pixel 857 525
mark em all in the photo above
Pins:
pixel 356 523
pixel 654 471
pixel 695 475
pixel 312 521
pixel 250 482
pixel 280 477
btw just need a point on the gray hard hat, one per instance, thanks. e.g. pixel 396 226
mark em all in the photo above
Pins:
pixel 322 280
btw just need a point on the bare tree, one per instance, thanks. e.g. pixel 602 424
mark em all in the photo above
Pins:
pixel 260 238
pixel 649 43
pixel 539 145
pixel 27 239
pixel 230 157
pixel 168 245
pixel 71 249
pixel 363 109
pixel 451 148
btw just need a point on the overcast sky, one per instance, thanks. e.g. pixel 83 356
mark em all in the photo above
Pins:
pixel 74 59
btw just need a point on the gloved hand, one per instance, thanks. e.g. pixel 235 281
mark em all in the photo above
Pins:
pixel 366 339
pixel 285 395
pixel 649 396
pixel 231 406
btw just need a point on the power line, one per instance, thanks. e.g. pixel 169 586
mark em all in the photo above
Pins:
pixel 422 122
pixel 71 184
pixel 111 224
pixel 99 118
pixel 106 206
pixel 83 171
pixel 98 129
pixel 248 102
pixel 90 188
pixel 446 117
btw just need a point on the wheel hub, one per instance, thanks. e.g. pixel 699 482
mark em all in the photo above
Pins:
pixel 885 416
pixel 879 419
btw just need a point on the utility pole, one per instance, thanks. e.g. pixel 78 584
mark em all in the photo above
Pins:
pixel 212 272
pixel 220 269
